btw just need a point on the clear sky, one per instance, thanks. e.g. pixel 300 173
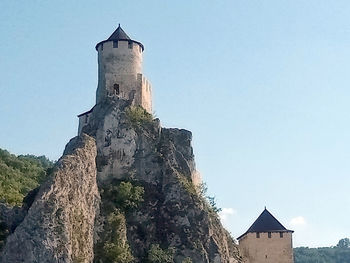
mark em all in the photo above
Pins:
pixel 263 86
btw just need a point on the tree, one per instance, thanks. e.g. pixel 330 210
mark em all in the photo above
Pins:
pixel 21 174
pixel 344 243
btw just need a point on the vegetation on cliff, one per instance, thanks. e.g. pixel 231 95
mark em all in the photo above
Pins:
pixel 336 254
pixel 20 174
pixel 138 116
pixel 147 207
pixel 118 198
pixel 158 255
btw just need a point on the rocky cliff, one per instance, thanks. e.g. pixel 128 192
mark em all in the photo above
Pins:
pixel 59 225
pixel 151 206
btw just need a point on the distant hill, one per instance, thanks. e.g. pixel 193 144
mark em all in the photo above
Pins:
pixel 20 174
pixel 336 254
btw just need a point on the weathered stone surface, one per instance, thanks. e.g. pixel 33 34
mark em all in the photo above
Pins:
pixel 11 217
pixel 64 222
pixel 173 213
pixel 59 226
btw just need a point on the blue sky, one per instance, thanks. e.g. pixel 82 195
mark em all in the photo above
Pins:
pixel 263 86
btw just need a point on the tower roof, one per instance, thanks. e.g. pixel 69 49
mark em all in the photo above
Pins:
pixel 266 222
pixel 120 35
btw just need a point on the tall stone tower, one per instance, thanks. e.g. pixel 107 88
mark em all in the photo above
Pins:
pixel 120 70
pixel 267 241
pixel 120 73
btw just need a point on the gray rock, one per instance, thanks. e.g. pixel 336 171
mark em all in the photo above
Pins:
pixel 59 226
pixel 173 213
pixel 11 217
pixel 65 222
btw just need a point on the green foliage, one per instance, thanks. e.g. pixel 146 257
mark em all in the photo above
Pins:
pixel 187 184
pixel 20 174
pixel 114 247
pixel 187 260
pixel 123 196
pixel 337 254
pixel 212 203
pixel 158 255
pixel 344 243
pixel 203 189
pixel 138 116
pixel 118 198
pixel 117 253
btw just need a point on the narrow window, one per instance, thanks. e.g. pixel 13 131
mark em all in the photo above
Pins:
pixel 115 44
pixel 257 235
pixel 101 46
pixel 281 234
pixel 130 44
pixel 140 49
pixel 269 234
pixel 116 89
pixel 86 118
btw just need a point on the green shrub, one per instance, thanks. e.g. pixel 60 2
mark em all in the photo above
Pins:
pixel 123 196
pixel 117 253
pixel 113 246
pixel 187 184
pixel 187 260
pixel 138 115
pixel 210 200
pixel 158 255
pixel 118 198
pixel 213 205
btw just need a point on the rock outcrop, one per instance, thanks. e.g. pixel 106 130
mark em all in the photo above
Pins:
pixel 151 208
pixel 132 146
pixel 59 226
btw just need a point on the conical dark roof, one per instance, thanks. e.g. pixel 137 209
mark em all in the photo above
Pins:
pixel 119 34
pixel 266 222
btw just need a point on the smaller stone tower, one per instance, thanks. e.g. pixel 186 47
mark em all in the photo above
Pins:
pixel 120 70
pixel 267 241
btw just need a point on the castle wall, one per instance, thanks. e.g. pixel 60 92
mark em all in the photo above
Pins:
pixel 83 120
pixel 121 59
pixel 275 249
pixel 146 93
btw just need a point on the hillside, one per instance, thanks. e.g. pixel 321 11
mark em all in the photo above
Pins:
pixel 335 254
pixel 20 174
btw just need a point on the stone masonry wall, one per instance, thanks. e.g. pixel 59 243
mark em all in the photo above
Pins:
pixel 267 250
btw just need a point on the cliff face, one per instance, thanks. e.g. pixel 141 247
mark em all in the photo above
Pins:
pixel 59 224
pixel 150 210
pixel 132 146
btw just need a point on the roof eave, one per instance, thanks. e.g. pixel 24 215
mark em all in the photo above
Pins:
pixel 271 231
pixel 128 40
pixel 86 112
